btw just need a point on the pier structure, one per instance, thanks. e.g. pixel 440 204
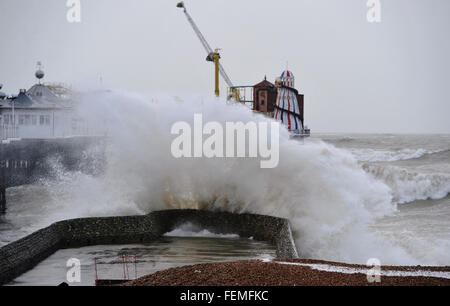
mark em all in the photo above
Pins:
pixel 2 200
pixel 25 161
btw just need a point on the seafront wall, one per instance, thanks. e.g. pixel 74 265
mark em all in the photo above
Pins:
pixel 22 255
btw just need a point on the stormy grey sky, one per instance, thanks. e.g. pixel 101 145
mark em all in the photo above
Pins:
pixel 389 77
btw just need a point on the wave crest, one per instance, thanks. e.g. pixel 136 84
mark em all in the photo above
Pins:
pixel 371 155
pixel 408 186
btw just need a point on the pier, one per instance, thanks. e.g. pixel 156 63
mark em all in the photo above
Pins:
pixel 25 161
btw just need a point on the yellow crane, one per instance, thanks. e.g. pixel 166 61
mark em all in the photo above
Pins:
pixel 213 56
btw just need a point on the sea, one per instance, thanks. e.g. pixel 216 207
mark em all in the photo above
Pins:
pixel 348 197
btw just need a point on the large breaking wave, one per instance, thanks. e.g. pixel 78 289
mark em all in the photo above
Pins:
pixel 408 186
pixel 330 200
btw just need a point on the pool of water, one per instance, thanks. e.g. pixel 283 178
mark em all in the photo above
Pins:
pixel 168 252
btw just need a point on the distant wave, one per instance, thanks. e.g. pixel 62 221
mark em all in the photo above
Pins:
pixel 410 186
pixel 200 234
pixel 345 139
pixel 370 155
pixel 191 230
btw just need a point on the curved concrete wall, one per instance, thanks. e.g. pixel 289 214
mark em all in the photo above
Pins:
pixel 22 255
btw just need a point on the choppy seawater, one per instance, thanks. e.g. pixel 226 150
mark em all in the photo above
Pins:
pixel 413 169
pixel 417 169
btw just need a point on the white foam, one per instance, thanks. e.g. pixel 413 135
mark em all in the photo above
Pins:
pixel 383 272
pixel 328 198
pixel 190 230
pixel 371 155
pixel 202 233
pixel 408 186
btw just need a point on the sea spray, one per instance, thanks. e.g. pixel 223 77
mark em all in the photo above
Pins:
pixel 322 190
pixel 327 196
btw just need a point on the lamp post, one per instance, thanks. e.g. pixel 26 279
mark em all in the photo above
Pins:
pixel 13 118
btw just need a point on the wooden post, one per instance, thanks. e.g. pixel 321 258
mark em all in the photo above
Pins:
pixel 2 200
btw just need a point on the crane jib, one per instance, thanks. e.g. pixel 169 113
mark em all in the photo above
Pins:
pixel 205 44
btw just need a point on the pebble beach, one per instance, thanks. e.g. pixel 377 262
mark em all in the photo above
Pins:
pixel 293 273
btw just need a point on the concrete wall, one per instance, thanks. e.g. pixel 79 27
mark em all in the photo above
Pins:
pixel 22 255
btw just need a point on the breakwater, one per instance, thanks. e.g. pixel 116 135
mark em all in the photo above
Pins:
pixel 22 255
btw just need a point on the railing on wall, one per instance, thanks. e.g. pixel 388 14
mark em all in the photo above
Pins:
pixel 245 93
pixel 8 131
pixel 78 130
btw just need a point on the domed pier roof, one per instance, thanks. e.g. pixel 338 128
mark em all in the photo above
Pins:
pixel 287 78
pixel 287 74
